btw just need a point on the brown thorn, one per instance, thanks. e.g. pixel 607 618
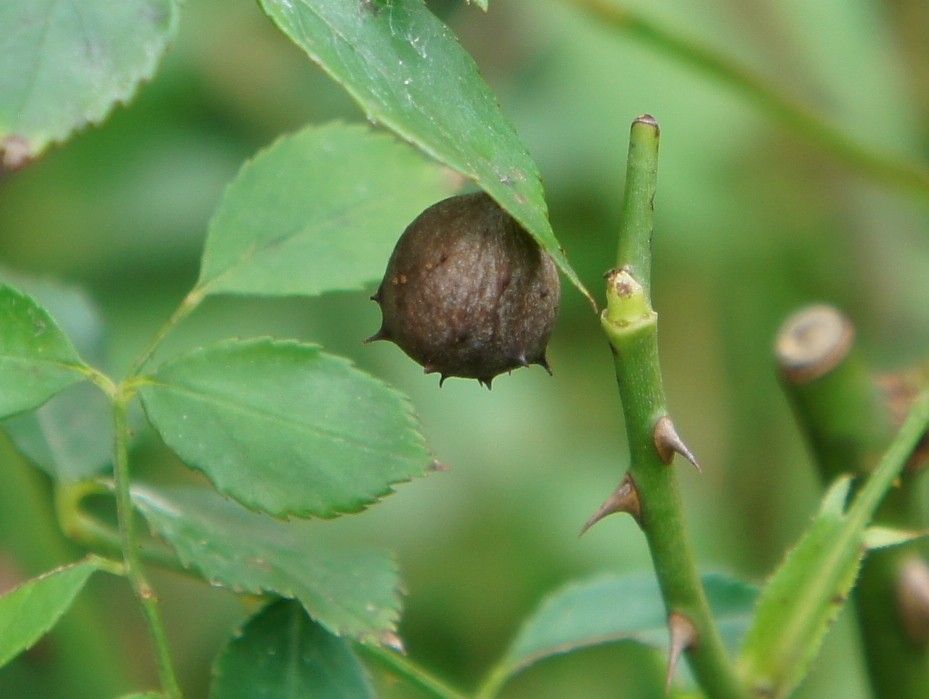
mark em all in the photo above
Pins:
pixel 684 636
pixel 391 640
pixel 439 467
pixel 486 382
pixel 379 335
pixel 624 499
pixel 442 378
pixel 668 443
pixel 913 600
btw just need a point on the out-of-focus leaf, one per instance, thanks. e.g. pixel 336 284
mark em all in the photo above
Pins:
pixel 317 211
pixel 30 610
pixel 70 436
pixel 67 64
pixel 616 608
pixel 354 593
pixel 143 695
pixel 37 360
pixel 282 653
pixel 882 537
pixel 285 428
pixel 809 586
pixel 407 70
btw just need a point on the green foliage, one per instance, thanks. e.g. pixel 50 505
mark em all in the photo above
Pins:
pixel 71 436
pixel 614 608
pixel 281 653
pixel 353 593
pixel 285 428
pixel 317 211
pixel 29 611
pixel 37 360
pixel 406 70
pixel 789 627
pixel 67 64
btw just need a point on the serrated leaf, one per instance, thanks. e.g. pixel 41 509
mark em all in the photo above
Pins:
pixel 615 608
pixel 284 427
pixel 280 652
pixel 71 436
pixel 67 64
pixel 407 70
pixel 354 593
pixel 805 594
pixel 317 211
pixel 30 610
pixel 36 359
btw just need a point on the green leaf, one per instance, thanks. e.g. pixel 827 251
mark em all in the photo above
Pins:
pixel 614 608
pixel 407 70
pixel 883 537
pixel 480 3
pixel 285 428
pixel 36 359
pixel 68 63
pixel 806 592
pixel 29 611
pixel 317 211
pixel 71 436
pixel 353 593
pixel 281 653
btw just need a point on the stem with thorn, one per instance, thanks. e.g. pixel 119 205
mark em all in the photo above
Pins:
pixel 848 423
pixel 631 327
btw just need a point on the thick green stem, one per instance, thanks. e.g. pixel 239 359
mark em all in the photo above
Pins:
pixel 847 424
pixel 794 115
pixel 407 670
pixel 143 591
pixel 632 328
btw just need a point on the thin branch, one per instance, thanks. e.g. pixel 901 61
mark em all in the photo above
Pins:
pixel 791 113
pixel 405 668
pixel 143 591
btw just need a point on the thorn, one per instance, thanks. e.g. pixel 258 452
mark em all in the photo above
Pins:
pixel 392 641
pixel 667 443
pixel 486 382
pixel 683 637
pixel 442 378
pixel 439 467
pixel 913 600
pixel 624 499
pixel 377 295
pixel 381 334
pixel 543 362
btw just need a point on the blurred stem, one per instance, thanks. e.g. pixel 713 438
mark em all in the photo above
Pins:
pixel 632 328
pixel 100 537
pixel 81 643
pixel 186 307
pixel 847 423
pixel 143 591
pixel 863 158
pixel 406 669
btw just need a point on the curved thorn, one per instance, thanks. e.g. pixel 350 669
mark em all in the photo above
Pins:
pixel 486 382
pixel 624 499
pixel 543 362
pixel 379 335
pixel 442 378
pixel 668 443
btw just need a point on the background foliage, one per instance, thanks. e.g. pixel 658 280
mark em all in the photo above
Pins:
pixel 752 222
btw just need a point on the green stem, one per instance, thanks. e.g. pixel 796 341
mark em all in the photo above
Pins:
pixel 632 328
pixel 793 114
pixel 143 591
pixel 101 537
pixel 186 307
pixel 408 670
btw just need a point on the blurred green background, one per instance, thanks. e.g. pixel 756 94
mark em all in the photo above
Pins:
pixel 751 223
